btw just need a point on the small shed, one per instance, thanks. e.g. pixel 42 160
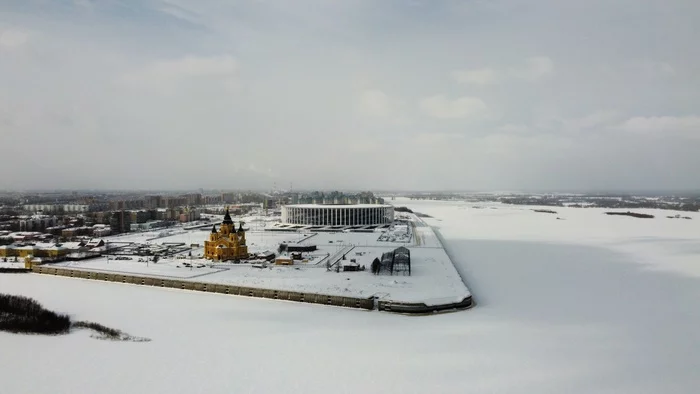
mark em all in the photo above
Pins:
pixel 266 255
pixel 296 255
pixel 284 260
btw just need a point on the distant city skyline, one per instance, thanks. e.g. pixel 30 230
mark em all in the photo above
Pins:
pixel 694 193
pixel 543 95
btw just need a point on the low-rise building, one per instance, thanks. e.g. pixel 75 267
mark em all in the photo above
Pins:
pixel 95 243
pixel 150 225
pixel 53 252
pixel 7 251
pixel 47 251
pixel 74 247
pixel 55 230
pixel 26 250
pixel 24 236
pixel 101 230
pixel 70 232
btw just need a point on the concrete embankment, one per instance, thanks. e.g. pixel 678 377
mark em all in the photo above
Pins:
pixel 14 270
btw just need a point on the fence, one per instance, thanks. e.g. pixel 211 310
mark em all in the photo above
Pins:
pixel 349 302
pixel 4 270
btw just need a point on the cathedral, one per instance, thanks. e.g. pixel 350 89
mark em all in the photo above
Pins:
pixel 227 243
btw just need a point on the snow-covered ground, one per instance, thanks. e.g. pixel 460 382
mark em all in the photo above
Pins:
pixel 12 264
pixel 434 279
pixel 257 241
pixel 165 268
pixel 588 304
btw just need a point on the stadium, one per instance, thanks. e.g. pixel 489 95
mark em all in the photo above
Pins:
pixel 338 215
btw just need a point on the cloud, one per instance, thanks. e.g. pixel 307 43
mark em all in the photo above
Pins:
pixel 12 38
pixel 203 77
pixel 688 126
pixel 84 3
pixel 376 102
pixel 665 69
pixel 253 169
pixel 423 140
pixel 482 76
pixel 656 69
pixel 593 120
pixel 533 69
pixel 599 121
pixel 179 12
pixel 189 67
pixel 514 129
pixel 217 85
pixel 377 105
pixel 441 107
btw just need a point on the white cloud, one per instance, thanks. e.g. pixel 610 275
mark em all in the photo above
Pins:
pixel 379 105
pixel 594 120
pixel 656 69
pixel 375 102
pixel 666 69
pixel 482 76
pixel 179 12
pixel 514 129
pixel 12 38
pixel 253 169
pixel 432 139
pixel 186 78
pixel 534 68
pixel 441 107
pixel 688 126
pixel 188 67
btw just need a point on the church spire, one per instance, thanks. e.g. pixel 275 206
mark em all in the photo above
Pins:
pixel 213 229
pixel 227 218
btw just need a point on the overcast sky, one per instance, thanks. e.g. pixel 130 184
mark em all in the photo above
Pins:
pixel 350 94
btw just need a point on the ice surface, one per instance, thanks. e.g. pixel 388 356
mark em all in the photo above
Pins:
pixel 589 304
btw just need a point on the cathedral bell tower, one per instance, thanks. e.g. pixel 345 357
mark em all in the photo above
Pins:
pixel 227 226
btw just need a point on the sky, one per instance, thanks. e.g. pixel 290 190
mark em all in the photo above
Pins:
pixel 353 94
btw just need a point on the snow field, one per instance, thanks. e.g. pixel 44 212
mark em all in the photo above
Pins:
pixel 561 308
pixel 434 279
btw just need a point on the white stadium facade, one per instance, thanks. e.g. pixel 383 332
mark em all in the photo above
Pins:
pixel 338 215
